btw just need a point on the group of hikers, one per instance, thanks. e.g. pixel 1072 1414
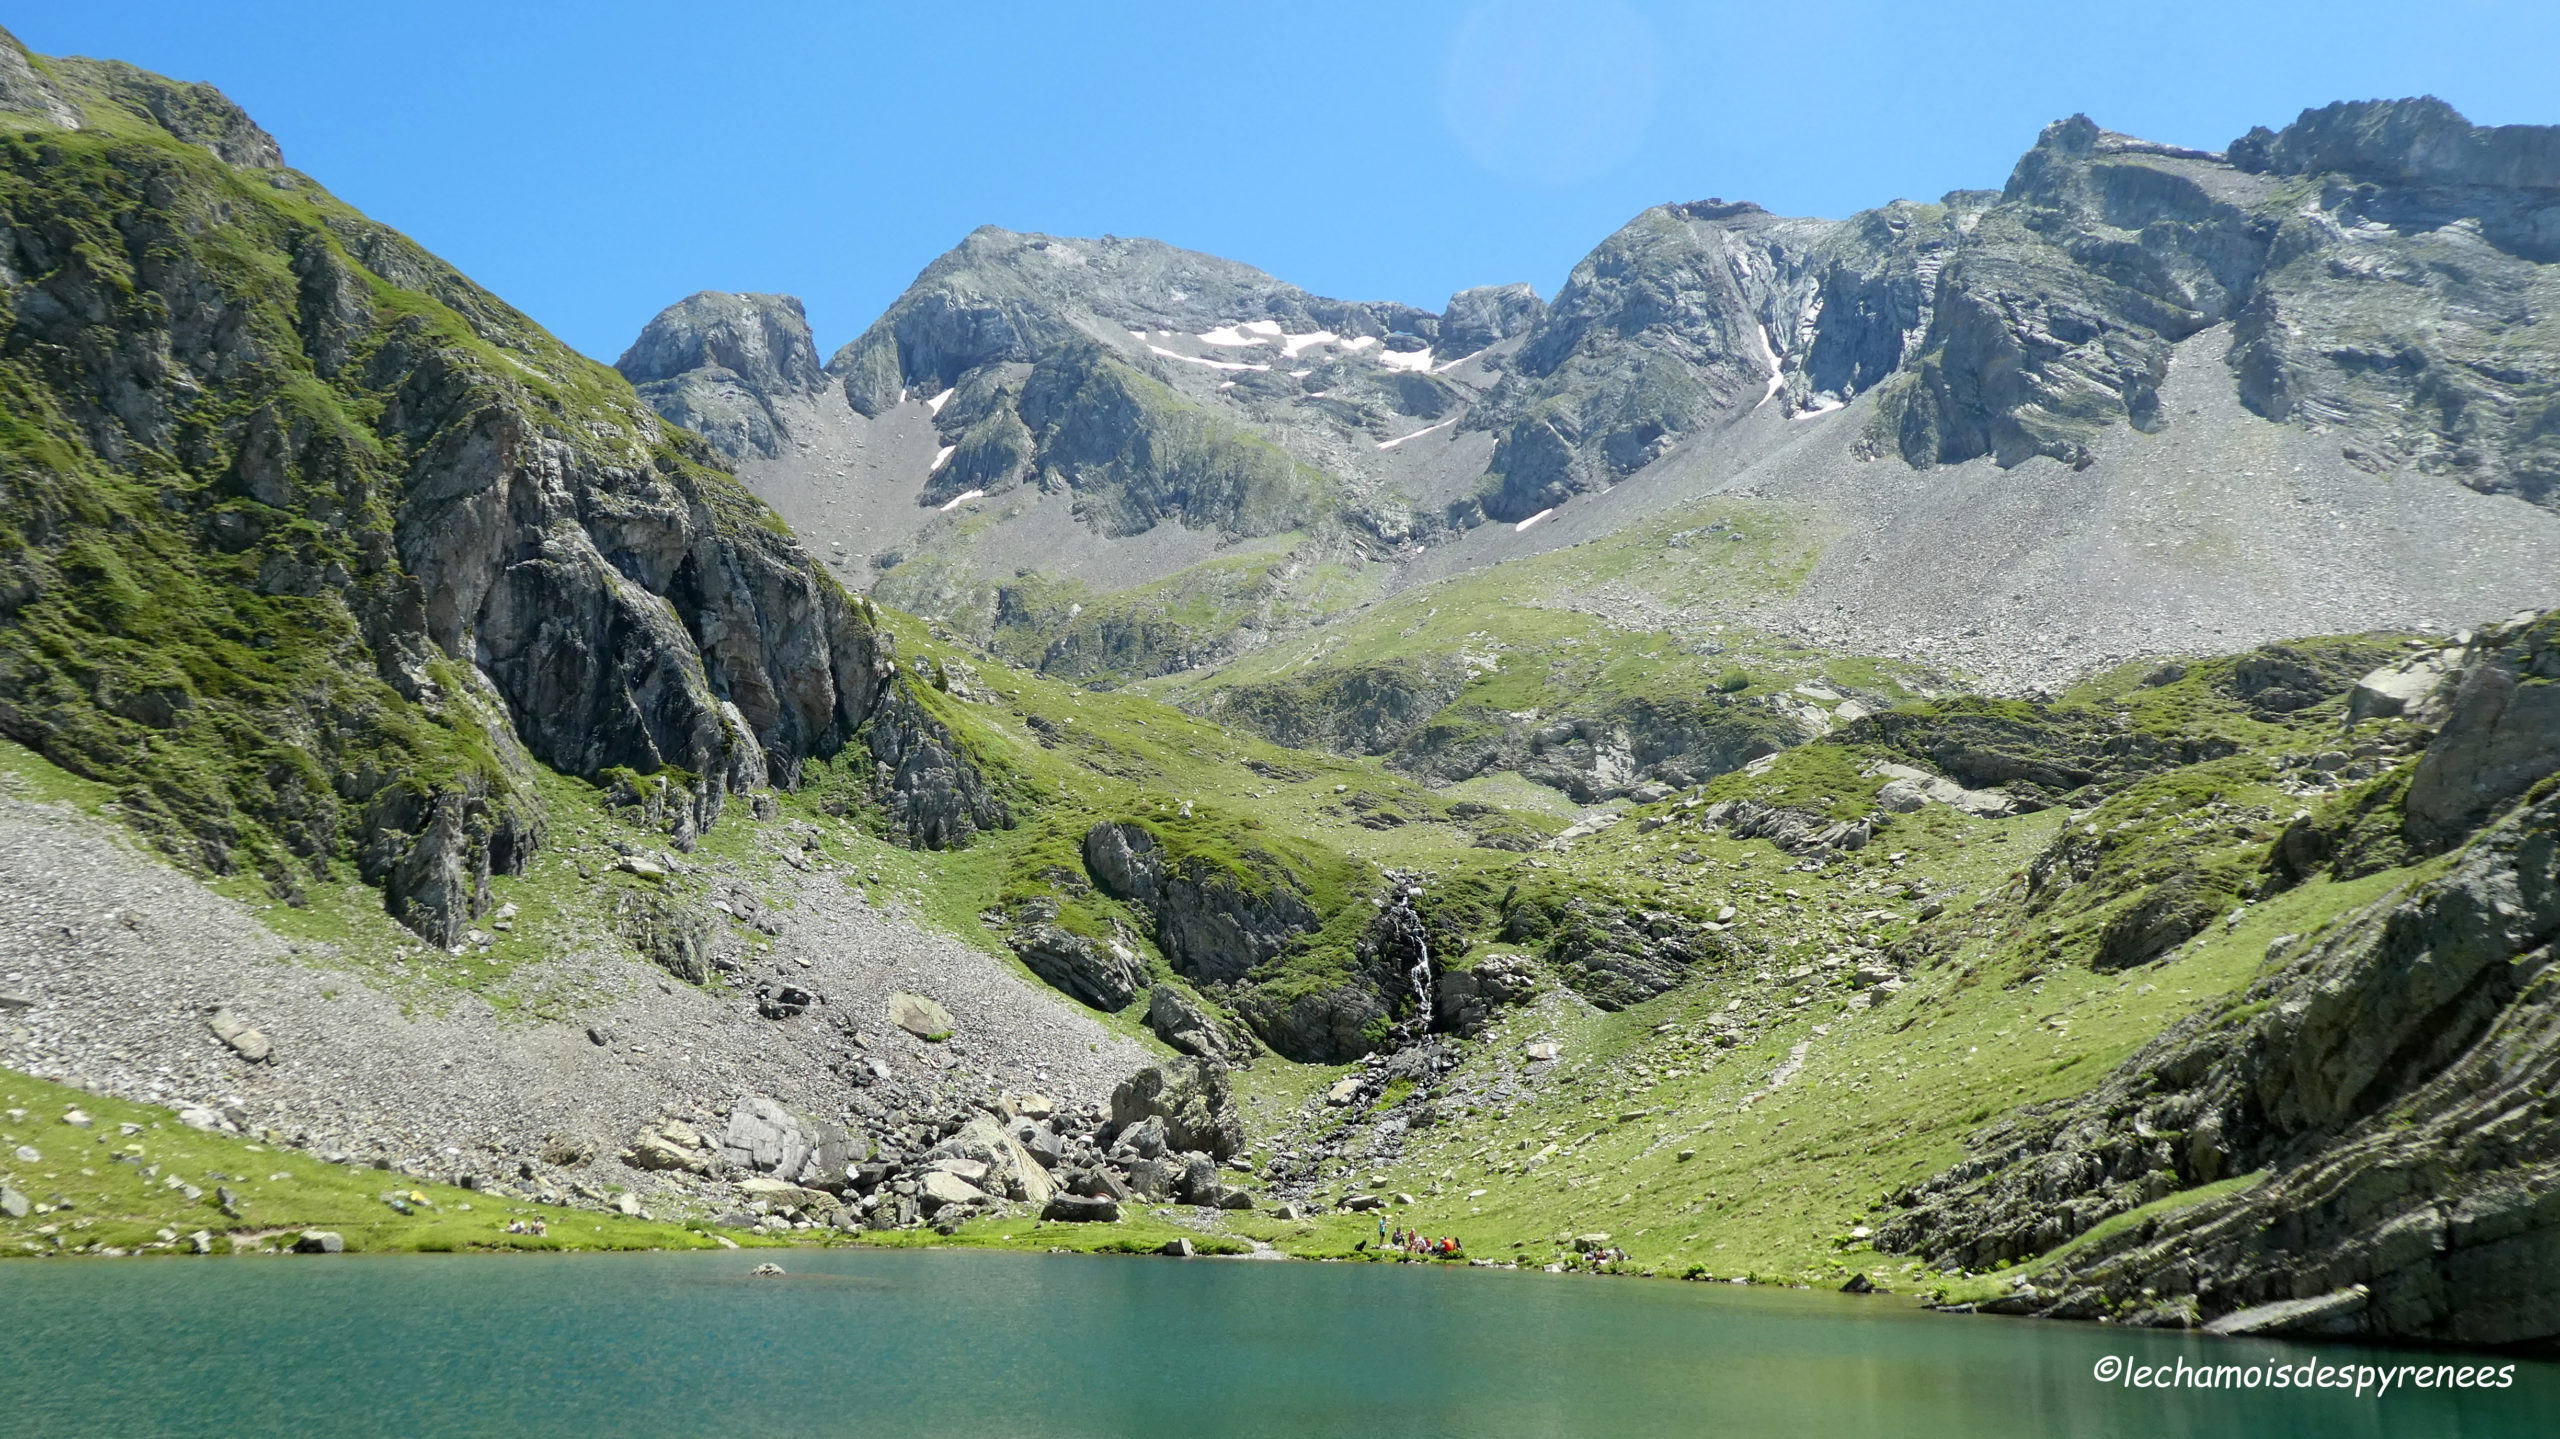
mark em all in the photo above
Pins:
pixel 527 1226
pixel 1425 1245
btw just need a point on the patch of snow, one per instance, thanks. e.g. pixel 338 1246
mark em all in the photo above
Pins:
pixel 1290 345
pixel 1359 342
pixel 1415 360
pixel 1228 336
pixel 1533 519
pixel 1264 328
pixel 1453 364
pixel 1777 373
pixel 941 457
pixel 1822 405
pixel 1202 360
pixel 1418 434
pixel 1138 335
pixel 1300 374
pixel 1226 384
pixel 962 498
pixel 934 405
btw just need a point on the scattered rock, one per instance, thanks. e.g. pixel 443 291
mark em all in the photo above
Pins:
pixel 767 1270
pixel 13 1204
pixel 320 1241
pixel 1178 1248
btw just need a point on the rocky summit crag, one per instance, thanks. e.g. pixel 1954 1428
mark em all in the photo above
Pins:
pixel 1115 459
pixel 1999 750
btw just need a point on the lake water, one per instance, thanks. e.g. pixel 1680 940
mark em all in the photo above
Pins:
pixel 958 1344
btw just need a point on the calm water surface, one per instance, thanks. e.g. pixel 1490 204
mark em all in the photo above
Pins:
pixel 961 1344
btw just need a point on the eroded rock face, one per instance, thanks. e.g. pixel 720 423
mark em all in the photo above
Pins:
pixel 2385 1079
pixel 1103 972
pixel 715 363
pixel 1191 1098
pixel 1183 1021
pixel 1214 922
pixel 2501 730
pixel 1486 315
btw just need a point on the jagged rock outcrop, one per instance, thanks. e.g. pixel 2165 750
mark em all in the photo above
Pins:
pixel 1465 996
pixel 2389 305
pixel 922 774
pixel 1215 920
pixel 1610 955
pixel 1190 1097
pixel 1487 315
pixel 315 579
pixel 717 363
pixel 1411 715
pixel 1105 972
pixel 2372 1107
pixel 1182 1020
pixel 2501 730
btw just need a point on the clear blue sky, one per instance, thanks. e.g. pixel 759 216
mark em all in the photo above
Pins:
pixel 593 162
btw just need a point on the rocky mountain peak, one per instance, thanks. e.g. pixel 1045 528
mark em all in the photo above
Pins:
pixel 53 90
pixel 2421 141
pixel 764 340
pixel 1486 315
pixel 719 363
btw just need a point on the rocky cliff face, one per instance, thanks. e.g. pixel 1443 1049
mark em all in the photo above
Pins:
pixel 2372 1108
pixel 2018 324
pixel 718 364
pixel 313 548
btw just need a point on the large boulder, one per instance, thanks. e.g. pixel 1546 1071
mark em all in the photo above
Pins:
pixel 671 1144
pixel 1466 996
pixel 763 1137
pixel 1009 1168
pixel 924 1018
pixel 1193 1099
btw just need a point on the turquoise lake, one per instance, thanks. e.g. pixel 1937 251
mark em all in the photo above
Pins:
pixel 963 1344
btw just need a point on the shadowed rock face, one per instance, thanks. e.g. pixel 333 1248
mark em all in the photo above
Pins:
pixel 1214 922
pixel 386 556
pixel 2387 1080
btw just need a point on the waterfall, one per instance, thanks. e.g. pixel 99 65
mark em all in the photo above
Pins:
pixel 1409 924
